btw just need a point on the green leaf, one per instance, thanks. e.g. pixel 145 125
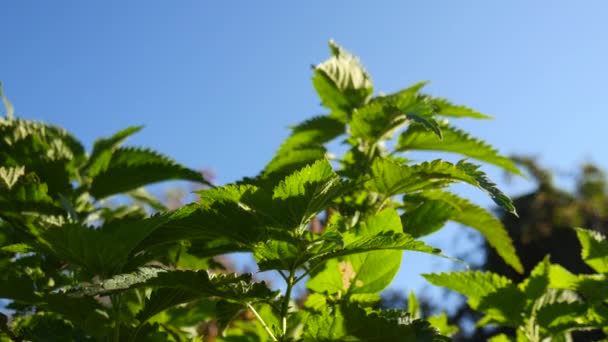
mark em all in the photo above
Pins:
pixel 412 306
pixel 303 194
pixel 56 142
pixel 131 168
pixel 538 281
pixel 305 145
pixel 351 323
pixel 434 207
pixel 428 123
pixel 501 338
pixel 440 322
pixel 370 258
pixel 486 184
pixel 85 313
pixel 494 295
pixel 200 224
pixel 289 161
pixel 387 325
pixel 425 216
pixel 444 107
pixel 472 284
pixel 18 287
pixel 21 192
pixel 17 248
pixel 325 326
pixel 341 81
pixel 278 255
pixel 103 148
pixel 595 249
pixel 562 316
pixel 455 141
pixel 104 250
pixel 9 176
pixel 225 312
pixel 391 178
pixel 163 299
pixel 234 287
pixel 380 118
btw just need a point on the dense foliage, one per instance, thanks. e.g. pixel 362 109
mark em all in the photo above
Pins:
pixel 82 258
pixel 547 215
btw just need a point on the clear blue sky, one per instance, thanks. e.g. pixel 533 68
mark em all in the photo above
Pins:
pixel 217 82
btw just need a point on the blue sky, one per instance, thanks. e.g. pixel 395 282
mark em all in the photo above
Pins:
pixel 217 83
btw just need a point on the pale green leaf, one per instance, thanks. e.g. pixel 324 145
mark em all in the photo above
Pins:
pixel 8 107
pixel 595 249
pixel 472 284
pixel 440 322
pixel 413 309
pixel 341 81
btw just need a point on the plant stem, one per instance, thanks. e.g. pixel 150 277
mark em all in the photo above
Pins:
pixel 116 306
pixel 257 315
pixel 285 308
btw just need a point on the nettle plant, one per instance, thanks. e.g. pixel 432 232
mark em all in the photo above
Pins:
pixel 83 259
pixel 548 305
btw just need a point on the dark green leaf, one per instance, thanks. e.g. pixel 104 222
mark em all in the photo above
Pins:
pixel 131 168
pixel 103 148
pixel 104 250
pixel 163 299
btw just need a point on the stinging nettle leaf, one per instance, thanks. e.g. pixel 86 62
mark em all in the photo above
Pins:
pixel 444 107
pixel 131 168
pixel 341 82
pixel 301 195
pixel 103 148
pixel 391 178
pixel 305 145
pixel 455 141
pixel 433 208
pixel 594 249
pixel 104 250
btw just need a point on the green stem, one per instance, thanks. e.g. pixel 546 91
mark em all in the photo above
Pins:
pixel 261 320
pixel 285 308
pixel 116 306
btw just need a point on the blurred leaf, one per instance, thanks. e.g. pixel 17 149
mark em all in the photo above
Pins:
pixel 103 149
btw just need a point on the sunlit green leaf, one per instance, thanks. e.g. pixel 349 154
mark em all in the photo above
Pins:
pixel 595 249
pixel 456 141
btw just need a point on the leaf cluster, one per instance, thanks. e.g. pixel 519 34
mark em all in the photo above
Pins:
pixel 137 271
